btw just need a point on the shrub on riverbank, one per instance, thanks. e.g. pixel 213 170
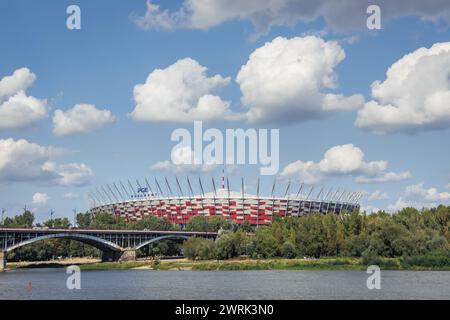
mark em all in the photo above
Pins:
pixel 436 259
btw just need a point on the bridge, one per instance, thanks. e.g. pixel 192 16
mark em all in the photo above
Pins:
pixel 116 245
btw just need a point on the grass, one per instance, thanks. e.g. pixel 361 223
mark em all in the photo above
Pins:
pixel 326 263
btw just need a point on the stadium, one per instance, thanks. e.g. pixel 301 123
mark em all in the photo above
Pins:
pixel 135 202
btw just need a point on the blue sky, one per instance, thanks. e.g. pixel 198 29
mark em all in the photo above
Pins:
pixel 101 64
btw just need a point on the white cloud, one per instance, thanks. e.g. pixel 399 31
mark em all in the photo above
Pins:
pixel 401 204
pixel 40 199
pixel 377 195
pixel 70 195
pixel 417 196
pixel 20 80
pixel 338 15
pixel 17 110
pixel 418 192
pixel 288 80
pixel 342 160
pixel 157 19
pixel 385 177
pixel 414 97
pixel 21 160
pixel 181 157
pixel 369 209
pixel 70 174
pixel 82 118
pixel 181 93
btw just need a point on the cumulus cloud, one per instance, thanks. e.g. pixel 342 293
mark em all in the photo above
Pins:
pixel 342 160
pixel 181 93
pixel 369 209
pixel 40 199
pixel 401 204
pixel 418 196
pixel 70 195
pixel 418 192
pixel 82 118
pixel 17 110
pixel 21 160
pixel 288 80
pixel 415 95
pixel 340 16
pixel 377 195
pixel 182 161
pixel 385 177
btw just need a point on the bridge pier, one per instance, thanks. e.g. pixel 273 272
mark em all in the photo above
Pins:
pixel 2 260
pixel 129 254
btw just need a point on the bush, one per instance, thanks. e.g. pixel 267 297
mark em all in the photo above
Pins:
pixel 288 250
pixel 198 248
pixel 369 257
pixel 436 259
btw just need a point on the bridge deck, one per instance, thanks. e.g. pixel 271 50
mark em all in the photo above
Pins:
pixel 110 231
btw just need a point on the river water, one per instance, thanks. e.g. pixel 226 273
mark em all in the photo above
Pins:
pixel 148 284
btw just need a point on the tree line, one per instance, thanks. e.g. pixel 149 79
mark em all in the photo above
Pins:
pixel 406 233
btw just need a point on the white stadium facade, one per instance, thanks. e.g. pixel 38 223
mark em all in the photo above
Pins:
pixel 135 202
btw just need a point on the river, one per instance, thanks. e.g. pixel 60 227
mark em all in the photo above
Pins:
pixel 148 284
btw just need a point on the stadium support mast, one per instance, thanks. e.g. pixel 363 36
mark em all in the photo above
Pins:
pixel 118 191
pixel 179 187
pixel 286 195
pixel 287 188
pixel 190 186
pixel 102 197
pixel 273 187
pixel 318 195
pixel 169 189
pixel 131 188
pixel 359 198
pixel 159 187
pixel 257 207
pixel 107 195
pixel 111 191
pixel 223 179
pixel 333 197
pixel 228 192
pixel 243 197
pixel 201 187
pixel 214 187
pixel 125 190
pixel 328 193
pixel 93 199
pixel 299 190
pixel 310 191
pixel 149 187
pixel 257 188
pixel 327 197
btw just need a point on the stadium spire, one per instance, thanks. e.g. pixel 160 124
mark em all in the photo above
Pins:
pixel 223 179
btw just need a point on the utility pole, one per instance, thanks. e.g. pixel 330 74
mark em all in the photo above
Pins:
pixel 51 218
pixel 75 217
pixel 3 216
